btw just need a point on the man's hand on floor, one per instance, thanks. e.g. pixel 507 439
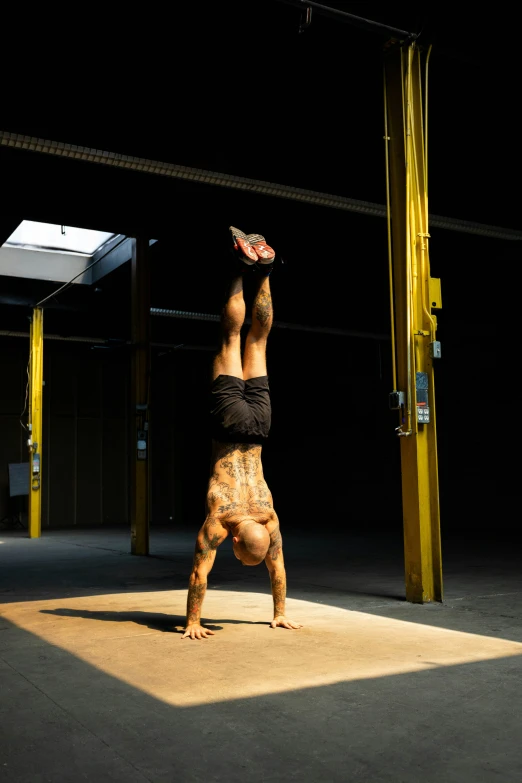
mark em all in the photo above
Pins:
pixel 282 622
pixel 196 631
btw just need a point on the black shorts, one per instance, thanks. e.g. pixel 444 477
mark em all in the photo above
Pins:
pixel 240 411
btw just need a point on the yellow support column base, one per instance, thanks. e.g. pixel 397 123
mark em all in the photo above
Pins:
pixel 422 554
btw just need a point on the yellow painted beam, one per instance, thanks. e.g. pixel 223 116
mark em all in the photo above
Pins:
pixel 35 424
pixel 414 325
pixel 140 385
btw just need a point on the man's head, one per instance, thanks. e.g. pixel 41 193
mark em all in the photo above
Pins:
pixel 251 542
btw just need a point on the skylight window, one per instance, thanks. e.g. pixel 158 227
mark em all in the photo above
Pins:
pixel 63 239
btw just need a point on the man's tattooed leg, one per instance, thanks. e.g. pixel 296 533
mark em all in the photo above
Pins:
pixel 262 310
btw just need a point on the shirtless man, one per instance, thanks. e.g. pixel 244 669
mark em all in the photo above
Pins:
pixel 239 502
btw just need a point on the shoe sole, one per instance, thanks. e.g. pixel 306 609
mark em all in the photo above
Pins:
pixel 265 252
pixel 245 251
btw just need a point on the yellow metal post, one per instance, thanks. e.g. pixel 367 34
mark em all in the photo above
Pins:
pixel 139 412
pixel 414 324
pixel 35 424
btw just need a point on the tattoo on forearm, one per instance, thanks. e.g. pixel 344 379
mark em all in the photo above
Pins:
pixel 195 597
pixel 278 593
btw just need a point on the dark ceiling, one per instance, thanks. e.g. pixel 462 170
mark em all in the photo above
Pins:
pixel 234 87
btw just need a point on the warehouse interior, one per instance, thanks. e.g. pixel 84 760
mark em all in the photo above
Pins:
pixel 373 687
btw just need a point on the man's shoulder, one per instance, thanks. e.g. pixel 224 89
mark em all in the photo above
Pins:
pixel 273 523
pixel 213 528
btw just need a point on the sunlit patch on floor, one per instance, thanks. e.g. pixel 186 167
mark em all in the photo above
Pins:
pixel 136 638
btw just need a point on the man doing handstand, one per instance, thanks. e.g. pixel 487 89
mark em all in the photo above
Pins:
pixel 239 502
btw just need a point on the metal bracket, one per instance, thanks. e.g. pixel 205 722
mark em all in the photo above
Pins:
pixel 396 400
pixel 434 349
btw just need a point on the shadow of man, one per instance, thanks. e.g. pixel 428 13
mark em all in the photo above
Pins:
pixel 156 621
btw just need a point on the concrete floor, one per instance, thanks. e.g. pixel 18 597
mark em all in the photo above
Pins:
pixel 96 683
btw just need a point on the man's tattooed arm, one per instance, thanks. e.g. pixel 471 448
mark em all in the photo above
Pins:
pixel 275 563
pixel 196 594
pixel 276 567
pixel 275 550
pixel 209 538
pixel 278 581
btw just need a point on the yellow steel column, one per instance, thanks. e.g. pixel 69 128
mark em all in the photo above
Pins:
pixel 415 326
pixel 139 397
pixel 35 424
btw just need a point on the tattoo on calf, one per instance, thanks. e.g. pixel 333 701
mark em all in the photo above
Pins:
pixel 263 307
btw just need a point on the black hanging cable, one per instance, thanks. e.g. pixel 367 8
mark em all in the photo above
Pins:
pixel 71 281
pixel 344 16
pixel 66 285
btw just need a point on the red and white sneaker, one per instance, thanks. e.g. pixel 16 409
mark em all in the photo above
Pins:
pixel 243 247
pixel 265 253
